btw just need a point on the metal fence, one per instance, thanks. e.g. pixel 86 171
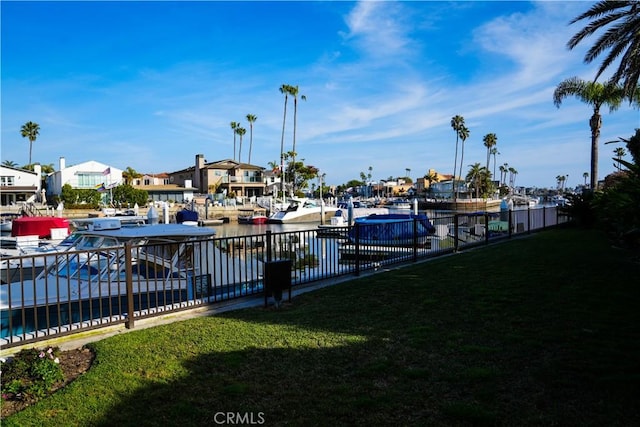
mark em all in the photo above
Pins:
pixel 46 296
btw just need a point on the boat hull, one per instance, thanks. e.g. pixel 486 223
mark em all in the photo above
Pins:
pixel 306 217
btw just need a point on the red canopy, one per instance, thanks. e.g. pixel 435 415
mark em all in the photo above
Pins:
pixel 37 225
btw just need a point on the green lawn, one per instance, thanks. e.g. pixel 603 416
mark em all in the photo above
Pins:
pixel 542 330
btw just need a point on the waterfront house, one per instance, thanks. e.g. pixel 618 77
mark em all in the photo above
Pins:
pixel 160 187
pixel 19 185
pixel 222 176
pixel 83 176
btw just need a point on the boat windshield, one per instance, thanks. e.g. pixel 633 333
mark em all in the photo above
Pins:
pixel 92 242
pixel 84 266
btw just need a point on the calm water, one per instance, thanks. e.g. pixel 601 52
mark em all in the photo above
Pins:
pixel 235 229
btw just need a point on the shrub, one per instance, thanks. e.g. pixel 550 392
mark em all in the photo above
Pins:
pixel 31 373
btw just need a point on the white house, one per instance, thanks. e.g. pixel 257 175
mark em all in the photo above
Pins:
pixel 85 175
pixel 18 185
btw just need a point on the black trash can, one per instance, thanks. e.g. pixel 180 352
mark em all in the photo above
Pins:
pixel 277 278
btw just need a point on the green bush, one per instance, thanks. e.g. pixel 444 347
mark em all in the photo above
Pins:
pixel 31 373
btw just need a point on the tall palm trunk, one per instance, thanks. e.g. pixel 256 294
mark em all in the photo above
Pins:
pixel 455 166
pixel 283 89
pixel 250 141
pixel 596 124
pixel 461 162
pixel 293 150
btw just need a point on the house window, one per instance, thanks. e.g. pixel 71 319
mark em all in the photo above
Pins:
pixel 7 181
pixel 147 181
pixel 91 180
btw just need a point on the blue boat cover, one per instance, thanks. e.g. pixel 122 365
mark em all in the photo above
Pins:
pixel 186 215
pixel 390 228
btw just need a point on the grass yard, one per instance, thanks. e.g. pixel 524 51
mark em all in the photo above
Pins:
pixel 543 330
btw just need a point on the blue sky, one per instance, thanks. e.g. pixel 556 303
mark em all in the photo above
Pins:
pixel 151 84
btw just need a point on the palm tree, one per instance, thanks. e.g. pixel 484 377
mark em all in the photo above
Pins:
pixel 504 168
pixel 563 180
pixel 618 23
pixel 464 134
pixel 234 126
pixel 512 177
pixel 284 89
pixel 240 131
pixel 457 123
pixel 490 140
pixel 620 152
pixel 30 130
pixel 129 174
pixel 9 163
pixel 293 91
pixel 475 175
pixel 251 119
pixel 596 95
pixel 431 177
pixel 493 152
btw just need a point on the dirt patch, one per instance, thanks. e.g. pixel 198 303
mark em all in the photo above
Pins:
pixel 73 363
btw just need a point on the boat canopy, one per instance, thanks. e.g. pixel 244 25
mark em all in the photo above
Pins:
pixel 391 228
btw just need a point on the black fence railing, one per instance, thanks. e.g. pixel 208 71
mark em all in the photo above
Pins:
pixel 51 295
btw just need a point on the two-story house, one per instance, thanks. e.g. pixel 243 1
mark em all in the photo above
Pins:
pixel 19 185
pixel 86 175
pixel 230 176
pixel 161 187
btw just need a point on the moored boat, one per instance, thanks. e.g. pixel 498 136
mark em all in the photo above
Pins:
pixel 161 262
pixel 42 226
pixel 303 210
pixel 379 237
pixel 6 221
pixel 391 229
pixel 252 216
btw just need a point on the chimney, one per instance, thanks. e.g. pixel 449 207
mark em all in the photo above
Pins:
pixel 62 164
pixel 196 173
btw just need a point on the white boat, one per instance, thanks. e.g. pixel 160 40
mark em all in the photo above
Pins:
pixel 303 210
pixel 20 257
pixel 6 221
pixel 400 204
pixel 166 262
pixel 519 200
pixel 560 201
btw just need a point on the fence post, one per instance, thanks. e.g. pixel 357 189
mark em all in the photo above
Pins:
pixel 415 239
pixel 268 248
pixel 544 217
pixel 357 249
pixel 129 285
pixel 510 223
pixel 529 220
pixel 486 227
pixel 455 232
